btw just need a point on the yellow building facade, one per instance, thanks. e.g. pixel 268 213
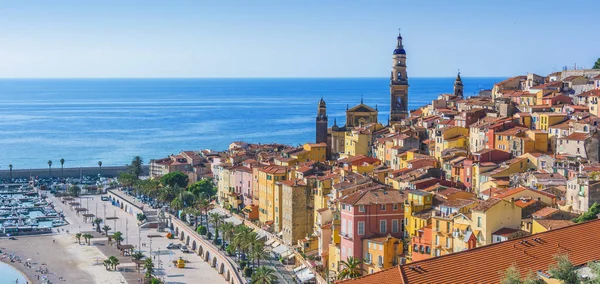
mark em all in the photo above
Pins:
pixel 267 179
pixel 416 202
pixel 548 119
pixel 316 151
pixel 381 253
pixel 451 137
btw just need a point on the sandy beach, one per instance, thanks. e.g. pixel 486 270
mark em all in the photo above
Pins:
pixel 44 254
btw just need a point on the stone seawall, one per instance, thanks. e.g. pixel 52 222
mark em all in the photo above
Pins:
pixel 107 171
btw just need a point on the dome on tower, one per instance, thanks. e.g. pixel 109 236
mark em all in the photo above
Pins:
pixel 322 103
pixel 399 50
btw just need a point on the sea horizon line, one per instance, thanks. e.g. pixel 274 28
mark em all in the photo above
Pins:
pixel 227 78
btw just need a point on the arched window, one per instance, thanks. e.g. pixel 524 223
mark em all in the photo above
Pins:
pixel 416 248
pixel 421 249
pixel 428 250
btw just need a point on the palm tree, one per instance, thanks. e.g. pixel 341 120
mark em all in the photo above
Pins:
pixel 264 275
pixel 194 212
pixel 97 222
pixel 351 268
pixel 106 229
pixel 10 168
pixel 258 253
pixel 216 218
pixel 114 261
pixel 50 167
pixel 250 242
pixel 100 166
pixel 78 237
pixel 149 266
pixel 136 166
pixel 182 200
pixel 62 163
pixel 118 237
pixel 240 238
pixel 107 264
pixel 228 231
pixel 167 194
pixel 203 204
pixel 87 238
pixel 136 257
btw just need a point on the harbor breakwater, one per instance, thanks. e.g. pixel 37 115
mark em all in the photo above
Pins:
pixel 106 171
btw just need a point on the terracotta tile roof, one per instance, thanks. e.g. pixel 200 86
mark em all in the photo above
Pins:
pixel 591 93
pixel 274 170
pixel 570 78
pixel 512 131
pixel 544 212
pixel 484 205
pixel 554 84
pixel 530 253
pixel 376 194
pixel 317 144
pixel 293 183
pixel 523 203
pixel 516 190
pixel 555 224
pixel 576 136
pixel 505 232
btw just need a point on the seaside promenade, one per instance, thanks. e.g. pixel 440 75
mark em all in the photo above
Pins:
pixel 206 264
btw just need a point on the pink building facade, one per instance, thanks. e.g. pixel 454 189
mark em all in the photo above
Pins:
pixel 242 180
pixel 367 214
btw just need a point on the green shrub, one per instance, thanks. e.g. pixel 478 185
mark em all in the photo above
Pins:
pixel 591 214
pixel 248 271
pixel 202 230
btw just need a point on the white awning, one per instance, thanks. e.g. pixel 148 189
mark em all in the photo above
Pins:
pixel 299 268
pixel 269 242
pixel 234 221
pixel 281 249
pixel 261 234
pixel 305 275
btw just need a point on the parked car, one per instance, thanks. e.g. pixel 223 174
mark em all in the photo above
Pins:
pixel 104 198
pixel 173 246
pixel 184 249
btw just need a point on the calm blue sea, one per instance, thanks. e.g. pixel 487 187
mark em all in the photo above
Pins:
pixel 10 275
pixel 111 120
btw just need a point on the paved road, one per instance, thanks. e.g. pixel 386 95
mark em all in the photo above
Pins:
pixel 196 271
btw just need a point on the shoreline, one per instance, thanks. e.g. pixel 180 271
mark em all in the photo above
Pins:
pixel 27 277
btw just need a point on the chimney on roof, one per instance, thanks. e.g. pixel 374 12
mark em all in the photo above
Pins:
pixel 512 200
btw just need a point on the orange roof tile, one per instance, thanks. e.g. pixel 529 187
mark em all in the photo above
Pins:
pixel 577 136
pixel 530 253
pixel 544 212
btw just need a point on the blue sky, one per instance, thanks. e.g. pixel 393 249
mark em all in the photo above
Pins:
pixel 293 38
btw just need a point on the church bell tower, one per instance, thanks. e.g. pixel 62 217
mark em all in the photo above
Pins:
pixel 321 126
pixel 458 86
pixel 398 84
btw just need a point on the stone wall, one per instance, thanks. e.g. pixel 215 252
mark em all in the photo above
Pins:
pixel 107 171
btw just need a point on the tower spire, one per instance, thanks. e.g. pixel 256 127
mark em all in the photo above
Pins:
pixel 458 85
pixel 399 83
